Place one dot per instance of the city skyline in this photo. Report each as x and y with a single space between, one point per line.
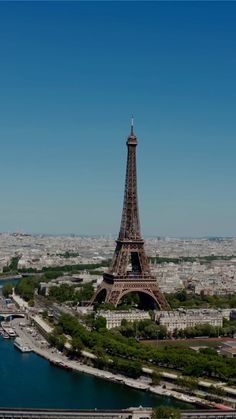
72 76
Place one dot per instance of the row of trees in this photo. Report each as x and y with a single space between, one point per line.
190 384
228 329
112 344
148 329
66 292
165 412
82 338
129 368
190 300
78 267
144 329
26 287
13 265
191 259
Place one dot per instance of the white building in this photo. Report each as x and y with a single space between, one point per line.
114 318
180 319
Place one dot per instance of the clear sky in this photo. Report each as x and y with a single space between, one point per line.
71 76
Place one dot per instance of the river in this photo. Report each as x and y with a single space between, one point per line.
27 380
12 281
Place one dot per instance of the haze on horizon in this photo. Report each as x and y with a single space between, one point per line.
73 73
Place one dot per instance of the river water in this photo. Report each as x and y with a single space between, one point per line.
27 380
12 281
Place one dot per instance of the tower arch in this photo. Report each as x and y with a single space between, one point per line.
147 300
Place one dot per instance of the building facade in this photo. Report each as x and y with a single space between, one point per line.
181 319
114 318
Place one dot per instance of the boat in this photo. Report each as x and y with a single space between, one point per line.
11 333
4 334
9 330
19 344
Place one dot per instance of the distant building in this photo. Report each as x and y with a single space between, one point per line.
114 318
228 349
233 315
41 325
180 319
44 288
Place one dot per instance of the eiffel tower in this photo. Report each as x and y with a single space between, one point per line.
129 270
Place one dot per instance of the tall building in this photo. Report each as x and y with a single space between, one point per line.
129 270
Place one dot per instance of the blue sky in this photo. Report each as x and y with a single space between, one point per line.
73 73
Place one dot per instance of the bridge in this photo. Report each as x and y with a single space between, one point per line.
7 314
140 413
131 413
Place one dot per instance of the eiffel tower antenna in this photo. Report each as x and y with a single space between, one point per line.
132 125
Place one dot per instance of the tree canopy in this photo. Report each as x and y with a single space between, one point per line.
115 346
164 412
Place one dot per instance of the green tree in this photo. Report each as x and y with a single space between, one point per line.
208 351
182 295
7 290
188 383
156 378
218 391
164 412
52 274
100 323
105 306
76 345
86 292
13 265
45 314
128 329
61 293
26 287
130 300
129 356
57 340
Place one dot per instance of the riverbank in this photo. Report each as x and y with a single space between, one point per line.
30 381
60 360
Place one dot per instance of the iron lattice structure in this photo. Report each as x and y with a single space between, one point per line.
130 271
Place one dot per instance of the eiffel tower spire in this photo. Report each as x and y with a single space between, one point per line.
130 271
132 126
130 225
